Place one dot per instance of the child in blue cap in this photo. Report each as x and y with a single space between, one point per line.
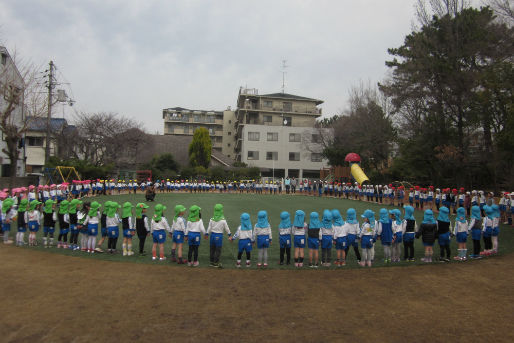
353 230
245 235
460 231
385 232
299 230
314 235
398 230
339 237
475 227
443 234
367 236
284 230
262 234
327 235
428 234
410 233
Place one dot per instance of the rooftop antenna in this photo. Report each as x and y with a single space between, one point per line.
284 66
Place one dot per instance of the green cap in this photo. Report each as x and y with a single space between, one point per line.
63 207
33 204
127 210
7 204
93 211
107 205
72 208
179 209
157 213
194 213
23 205
110 208
49 206
218 213
139 209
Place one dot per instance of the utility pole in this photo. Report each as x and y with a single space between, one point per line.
49 114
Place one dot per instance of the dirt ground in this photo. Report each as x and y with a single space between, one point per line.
55 298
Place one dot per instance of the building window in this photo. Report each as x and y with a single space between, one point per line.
186 130
316 138
287 121
196 118
295 137
34 141
210 119
254 136
230 121
294 156
268 119
271 155
229 133
287 106
4 59
212 131
316 157
267 103
253 155
228 144
272 136
170 128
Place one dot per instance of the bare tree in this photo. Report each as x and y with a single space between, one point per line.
503 9
426 9
21 100
108 138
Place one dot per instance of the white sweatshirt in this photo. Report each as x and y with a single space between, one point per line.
92 220
326 232
243 234
110 222
352 229
195 227
460 227
218 227
300 231
261 231
284 231
160 226
33 216
398 227
339 231
178 225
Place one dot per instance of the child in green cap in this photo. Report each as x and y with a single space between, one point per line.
217 226
91 222
159 226
49 219
128 229
177 233
64 228
33 219
103 226
142 227
74 229
81 218
22 225
194 228
111 222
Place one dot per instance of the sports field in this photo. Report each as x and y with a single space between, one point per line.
51 297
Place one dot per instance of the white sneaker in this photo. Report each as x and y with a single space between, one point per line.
154 258
124 253
130 253
160 258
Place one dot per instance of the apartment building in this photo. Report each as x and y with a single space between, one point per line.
276 132
180 121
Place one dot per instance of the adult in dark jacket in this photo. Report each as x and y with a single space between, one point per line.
428 233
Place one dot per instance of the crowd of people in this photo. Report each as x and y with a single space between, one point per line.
80 222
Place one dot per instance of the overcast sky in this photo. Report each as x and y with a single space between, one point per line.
138 57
